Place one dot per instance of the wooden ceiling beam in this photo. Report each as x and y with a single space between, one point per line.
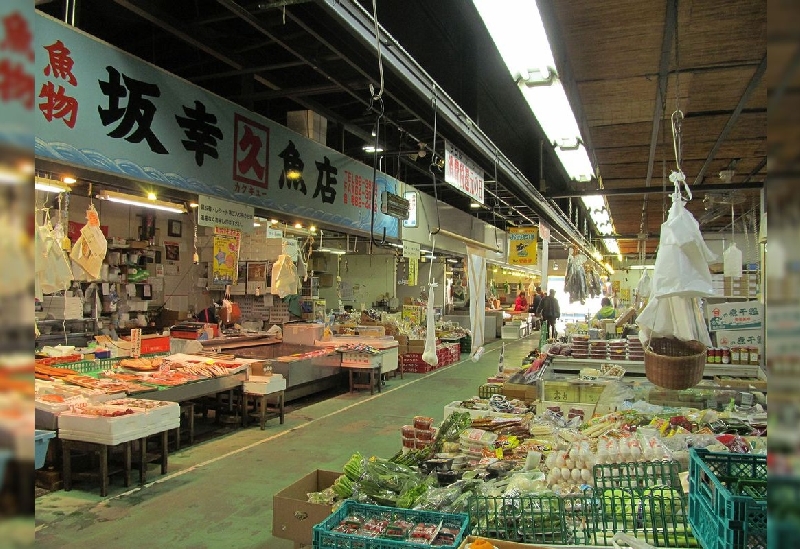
670 24
751 86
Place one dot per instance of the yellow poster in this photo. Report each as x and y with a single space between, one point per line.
413 265
522 246
615 285
226 256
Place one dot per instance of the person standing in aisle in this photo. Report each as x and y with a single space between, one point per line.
537 299
550 311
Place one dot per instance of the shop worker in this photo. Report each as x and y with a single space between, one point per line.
550 311
521 304
606 312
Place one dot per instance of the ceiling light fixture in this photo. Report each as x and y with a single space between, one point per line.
518 31
312 228
132 200
371 149
273 221
194 205
69 180
50 185
474 205
298 225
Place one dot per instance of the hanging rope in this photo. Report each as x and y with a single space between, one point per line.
432 167
377 96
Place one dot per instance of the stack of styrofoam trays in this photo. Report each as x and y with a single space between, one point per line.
617 349
146 420
635 349
580 346
598 348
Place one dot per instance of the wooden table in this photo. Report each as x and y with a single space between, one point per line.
68 446
260 402
102 450
374 371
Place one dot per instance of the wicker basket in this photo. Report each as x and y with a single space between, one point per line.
674 364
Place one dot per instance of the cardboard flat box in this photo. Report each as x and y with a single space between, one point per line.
741 383
527 393
293 518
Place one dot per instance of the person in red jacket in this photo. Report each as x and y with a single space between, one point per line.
521 304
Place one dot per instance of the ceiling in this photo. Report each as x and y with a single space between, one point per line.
627 66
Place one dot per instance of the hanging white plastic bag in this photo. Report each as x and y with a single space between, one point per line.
732 261
676 316
53 273
284 277
681 267
645 286
429 356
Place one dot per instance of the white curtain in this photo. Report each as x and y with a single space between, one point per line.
477 295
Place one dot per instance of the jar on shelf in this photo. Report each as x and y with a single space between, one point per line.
736 354
726 355
754 356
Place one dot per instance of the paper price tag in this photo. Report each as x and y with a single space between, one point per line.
136 343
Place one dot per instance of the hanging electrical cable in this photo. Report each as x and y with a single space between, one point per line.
379 95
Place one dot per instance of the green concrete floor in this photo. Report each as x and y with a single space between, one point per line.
218 493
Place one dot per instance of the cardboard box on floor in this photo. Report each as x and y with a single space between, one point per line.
500 544
293 518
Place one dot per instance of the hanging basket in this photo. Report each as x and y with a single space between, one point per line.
674 364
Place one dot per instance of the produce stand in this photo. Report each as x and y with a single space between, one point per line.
573 365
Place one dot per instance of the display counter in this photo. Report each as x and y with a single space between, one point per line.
240 341
563 364
304 376
491 328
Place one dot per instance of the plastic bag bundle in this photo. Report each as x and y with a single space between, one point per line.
53 272
683 257
681 277
732 261
90 248
284 277
429 355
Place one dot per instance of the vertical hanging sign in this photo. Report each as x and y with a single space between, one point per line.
136 342
522 246
462 173
413 265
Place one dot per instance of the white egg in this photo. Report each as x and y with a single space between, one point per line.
573 453
569 464
576 475
565 474
602 455
550 461
586 475
635 453
560 460
553 477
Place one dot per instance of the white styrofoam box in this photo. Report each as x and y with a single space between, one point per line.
63 308
139 422
510 331
265 385
302 333
456 407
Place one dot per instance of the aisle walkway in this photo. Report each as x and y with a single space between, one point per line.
219 493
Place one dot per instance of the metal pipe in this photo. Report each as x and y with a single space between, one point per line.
469 241
69 11
658 190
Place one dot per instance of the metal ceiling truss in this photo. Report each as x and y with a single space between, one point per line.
361 24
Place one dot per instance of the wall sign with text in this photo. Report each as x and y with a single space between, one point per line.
103 109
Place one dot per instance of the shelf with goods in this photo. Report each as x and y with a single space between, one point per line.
633 459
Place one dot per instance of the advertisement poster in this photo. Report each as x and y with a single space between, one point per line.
226 256
522 246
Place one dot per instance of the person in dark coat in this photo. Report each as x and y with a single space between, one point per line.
550 311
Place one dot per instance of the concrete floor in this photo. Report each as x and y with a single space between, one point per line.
218 493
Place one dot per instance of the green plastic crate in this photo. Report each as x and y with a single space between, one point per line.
643 499
728 499
532 519
326 538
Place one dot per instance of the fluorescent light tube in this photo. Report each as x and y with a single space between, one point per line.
50 185
132 200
